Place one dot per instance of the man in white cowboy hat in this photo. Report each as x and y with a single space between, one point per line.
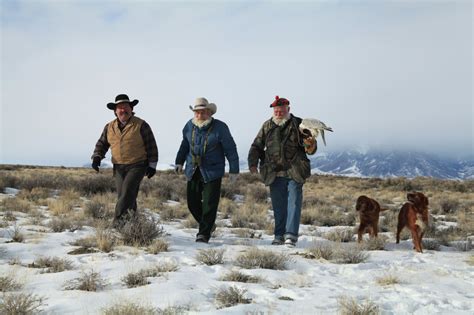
206 143
134 153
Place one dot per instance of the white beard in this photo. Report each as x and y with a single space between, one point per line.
201 123
281 121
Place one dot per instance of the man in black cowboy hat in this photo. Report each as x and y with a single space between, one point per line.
134 153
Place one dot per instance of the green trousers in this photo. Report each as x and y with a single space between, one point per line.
203 200
127 180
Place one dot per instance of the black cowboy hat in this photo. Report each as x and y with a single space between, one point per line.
121 98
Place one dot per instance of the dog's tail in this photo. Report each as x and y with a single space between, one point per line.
384 209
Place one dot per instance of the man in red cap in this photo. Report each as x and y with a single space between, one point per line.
281 149
134 153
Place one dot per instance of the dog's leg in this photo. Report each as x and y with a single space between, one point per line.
415 233
360 232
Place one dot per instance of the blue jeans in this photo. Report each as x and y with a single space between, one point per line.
287 197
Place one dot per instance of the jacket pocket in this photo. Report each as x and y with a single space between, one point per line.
300 169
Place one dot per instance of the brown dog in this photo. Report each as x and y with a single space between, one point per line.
414 215
369 210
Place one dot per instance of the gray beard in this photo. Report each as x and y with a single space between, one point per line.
280 121
201 123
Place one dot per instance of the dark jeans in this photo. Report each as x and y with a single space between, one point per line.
127 179
203 200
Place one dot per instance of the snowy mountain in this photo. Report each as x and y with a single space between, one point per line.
391 164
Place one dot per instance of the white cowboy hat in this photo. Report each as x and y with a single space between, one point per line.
202 103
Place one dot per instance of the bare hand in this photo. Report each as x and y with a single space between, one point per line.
253 170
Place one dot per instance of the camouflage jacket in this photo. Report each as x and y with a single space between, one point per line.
280 149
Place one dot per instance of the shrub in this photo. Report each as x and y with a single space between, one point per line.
375 243
21 303
9 283
210 256
257 258
158 246
227 297
350 255
250 215
140 230
318 251
168 212
15 204
97 210
60 206
135 279
63 223
340 235
430 244
256 193
52 264
388 280
350 306
105 239
16 234
88 281
238 276
449 205
129 308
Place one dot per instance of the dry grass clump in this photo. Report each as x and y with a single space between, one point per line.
36 217
350 306
430 244
319 251
258 258
158 246
88 281
16 234
98 209
21 303
350 255
105 239
250 215
238 276
470 260
60 206
190 222
63 223
89 241
52 264
340 235
388 279
9 283
140 230
135 279
247 233
227 297
165 186
327 216
256 193
227 207
130 308
173 212
15 204
211 256
375 243
37 194
140 278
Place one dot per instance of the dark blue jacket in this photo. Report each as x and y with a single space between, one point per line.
220 144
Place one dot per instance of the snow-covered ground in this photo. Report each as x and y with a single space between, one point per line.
434 282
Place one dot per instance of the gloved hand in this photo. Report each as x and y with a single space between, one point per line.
96 163
178 169
233 178
150 172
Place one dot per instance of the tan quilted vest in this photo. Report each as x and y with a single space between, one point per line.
127 145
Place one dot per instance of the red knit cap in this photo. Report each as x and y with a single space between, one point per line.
279 101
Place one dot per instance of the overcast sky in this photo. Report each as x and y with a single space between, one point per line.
382 74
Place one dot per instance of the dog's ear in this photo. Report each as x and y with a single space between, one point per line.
426 200
360 201
412 196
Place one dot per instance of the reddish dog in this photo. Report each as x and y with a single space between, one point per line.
369 210
414 215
